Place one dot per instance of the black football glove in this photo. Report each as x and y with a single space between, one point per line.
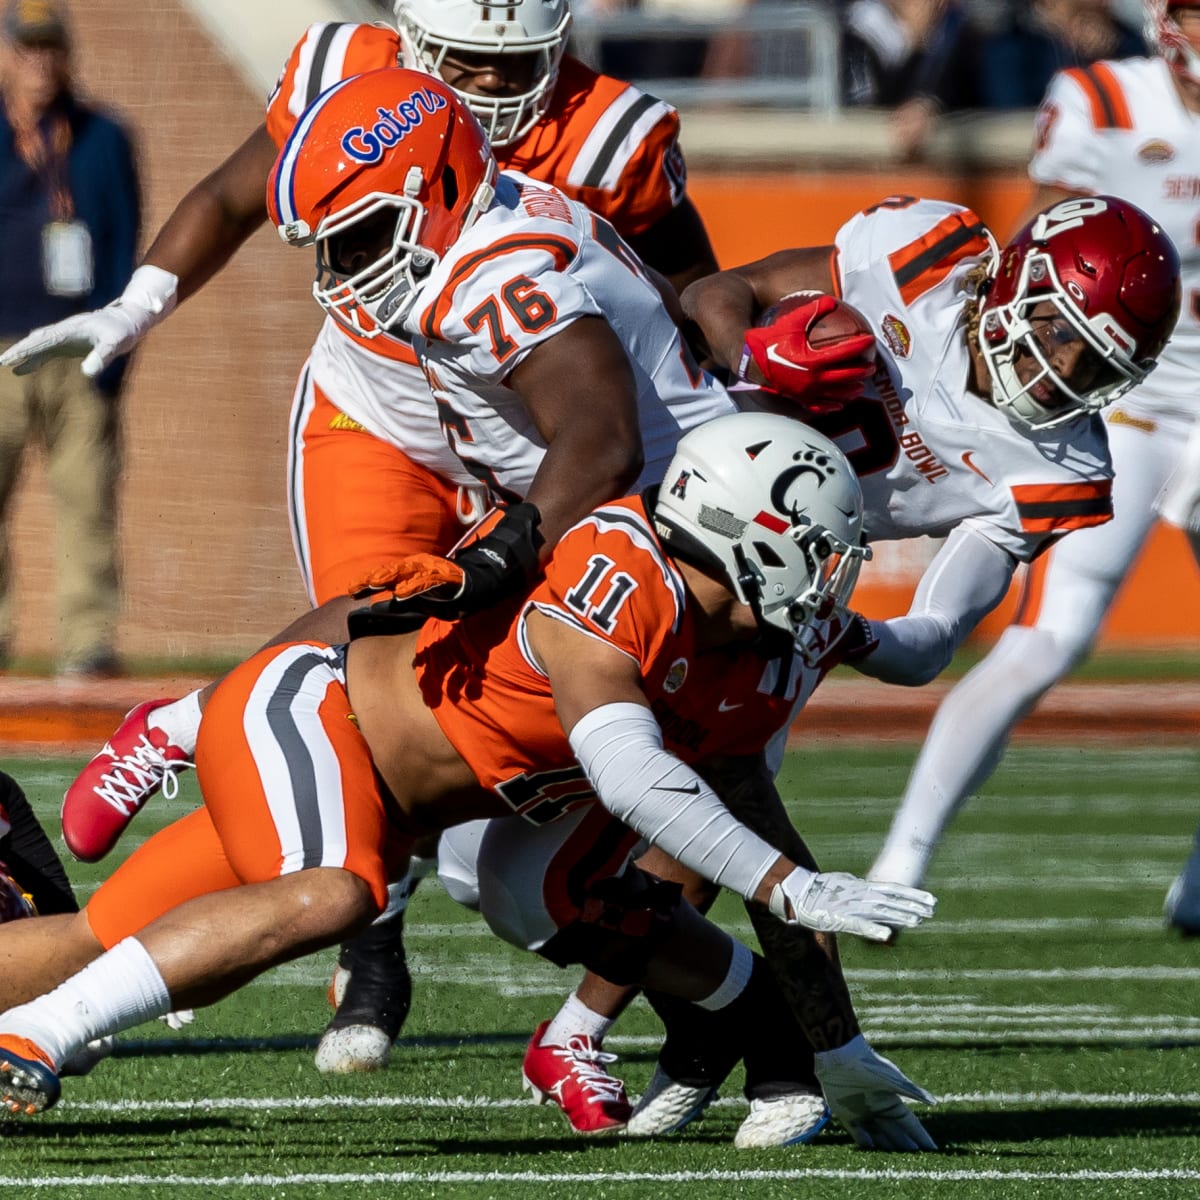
500 564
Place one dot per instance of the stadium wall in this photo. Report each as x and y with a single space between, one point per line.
208 565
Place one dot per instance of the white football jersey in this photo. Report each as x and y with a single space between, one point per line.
929 453
379 383
1120 128
532 264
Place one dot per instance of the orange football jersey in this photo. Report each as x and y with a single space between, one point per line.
610 578
601 141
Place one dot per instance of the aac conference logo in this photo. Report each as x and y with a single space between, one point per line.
368 145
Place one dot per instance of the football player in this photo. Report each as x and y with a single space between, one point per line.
371 478
1029 341
979 422
1131 128
661 641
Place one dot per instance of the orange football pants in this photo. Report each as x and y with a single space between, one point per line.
357 502
288 784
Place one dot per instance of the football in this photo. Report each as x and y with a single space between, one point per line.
843 322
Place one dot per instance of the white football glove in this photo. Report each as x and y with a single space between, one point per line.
101 336
837 902
863 1091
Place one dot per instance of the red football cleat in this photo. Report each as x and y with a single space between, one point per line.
576 1078
108 793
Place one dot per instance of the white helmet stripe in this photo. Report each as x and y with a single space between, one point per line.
285 177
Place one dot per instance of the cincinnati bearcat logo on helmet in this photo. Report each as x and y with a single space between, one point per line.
812 462
368 145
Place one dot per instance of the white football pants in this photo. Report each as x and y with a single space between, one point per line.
972 726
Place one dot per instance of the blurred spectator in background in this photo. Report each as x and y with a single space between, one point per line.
916 57
664 57
69 208
1041 37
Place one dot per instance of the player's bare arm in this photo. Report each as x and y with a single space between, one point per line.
587 674
580 390
723 306
677 246
198 239
212 221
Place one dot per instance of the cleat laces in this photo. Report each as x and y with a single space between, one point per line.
136 775
588 1066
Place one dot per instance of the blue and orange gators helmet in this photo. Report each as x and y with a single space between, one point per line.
382 173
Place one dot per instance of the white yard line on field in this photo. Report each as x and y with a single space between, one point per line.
292 1103
600 1178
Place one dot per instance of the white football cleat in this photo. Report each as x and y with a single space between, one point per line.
352 1048
667 1106
782 1121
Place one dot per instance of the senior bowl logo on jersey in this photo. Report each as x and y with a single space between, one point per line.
1156 151
367 145
896 334
676 675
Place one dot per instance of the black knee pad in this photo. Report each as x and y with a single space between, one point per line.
623 920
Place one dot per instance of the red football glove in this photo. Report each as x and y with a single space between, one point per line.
821 378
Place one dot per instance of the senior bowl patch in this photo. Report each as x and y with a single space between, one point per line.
1156 151
676 675
896 334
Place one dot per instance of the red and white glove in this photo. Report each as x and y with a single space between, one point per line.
779 358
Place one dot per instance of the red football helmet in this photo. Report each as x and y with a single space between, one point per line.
1163 32
1082 302
383 172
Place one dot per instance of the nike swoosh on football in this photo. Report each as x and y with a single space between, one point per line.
966 457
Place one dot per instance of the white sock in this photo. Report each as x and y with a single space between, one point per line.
741 963
399 894
180 721
122 988
573 1019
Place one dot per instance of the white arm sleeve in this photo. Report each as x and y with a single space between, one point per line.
968 577
620 748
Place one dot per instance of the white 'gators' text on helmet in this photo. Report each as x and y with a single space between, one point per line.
775 507
432 29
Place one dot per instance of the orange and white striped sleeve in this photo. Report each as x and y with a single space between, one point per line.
328 52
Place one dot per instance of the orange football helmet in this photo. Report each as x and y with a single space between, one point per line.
382 173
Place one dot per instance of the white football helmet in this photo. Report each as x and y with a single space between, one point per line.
1163 33
774 506
431 29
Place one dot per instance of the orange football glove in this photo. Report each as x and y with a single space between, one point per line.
413 576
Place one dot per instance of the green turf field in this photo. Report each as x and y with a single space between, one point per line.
1045 1006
